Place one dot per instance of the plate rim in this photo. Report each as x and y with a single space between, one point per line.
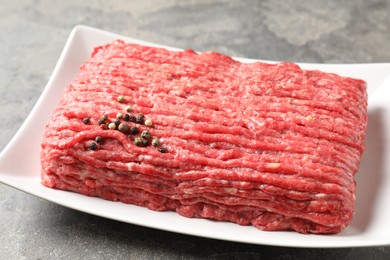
82 30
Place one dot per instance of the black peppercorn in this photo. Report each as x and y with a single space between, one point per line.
146 134
93 146
117 122
162 150
134 130
126 117
99 139
140 119
132 118
144 142
86 120
101 121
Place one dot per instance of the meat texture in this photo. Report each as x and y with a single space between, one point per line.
268 145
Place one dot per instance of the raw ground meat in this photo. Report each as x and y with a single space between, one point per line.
268 145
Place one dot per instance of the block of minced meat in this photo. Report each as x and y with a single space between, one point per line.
268 145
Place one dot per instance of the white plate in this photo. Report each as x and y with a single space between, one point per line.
20 165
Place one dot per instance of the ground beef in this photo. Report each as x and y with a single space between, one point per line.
268 145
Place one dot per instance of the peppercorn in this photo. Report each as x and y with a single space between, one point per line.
132 118
119 115
121 99
148 122
126 117
123 127
138 141
93 146
128 108
99 139
146 134
140 119
112 126
117 122
155 142
86 120
144 142
101 121
134 130
162 150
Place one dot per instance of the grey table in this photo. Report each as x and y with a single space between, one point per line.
32 35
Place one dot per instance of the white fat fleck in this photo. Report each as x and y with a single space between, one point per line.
273 165
231 190
242 183
254 123
110 174
130 166
321 195
305 157
144 157
187 191
336 96
309 118
84 174
208 181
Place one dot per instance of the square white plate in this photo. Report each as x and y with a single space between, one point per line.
371 224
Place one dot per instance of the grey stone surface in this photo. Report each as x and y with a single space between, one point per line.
32 35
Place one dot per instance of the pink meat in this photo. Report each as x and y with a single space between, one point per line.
268 145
